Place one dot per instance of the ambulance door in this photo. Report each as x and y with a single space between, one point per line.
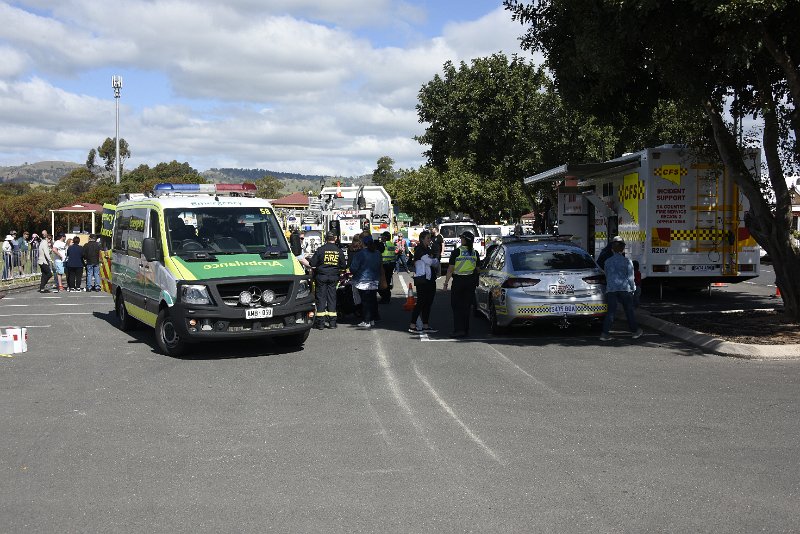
149 270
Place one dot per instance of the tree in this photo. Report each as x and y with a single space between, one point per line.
384 173
504 119
91 159
77 182
620 58
268 187
108 151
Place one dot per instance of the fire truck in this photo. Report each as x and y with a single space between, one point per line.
349 210
681 218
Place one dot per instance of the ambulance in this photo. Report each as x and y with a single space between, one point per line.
201 262
682 218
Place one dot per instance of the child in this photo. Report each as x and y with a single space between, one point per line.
637 278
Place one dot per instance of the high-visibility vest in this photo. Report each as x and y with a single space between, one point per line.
388 255
466 263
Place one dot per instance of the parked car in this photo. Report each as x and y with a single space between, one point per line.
529 279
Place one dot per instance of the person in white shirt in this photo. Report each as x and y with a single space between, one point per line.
60 254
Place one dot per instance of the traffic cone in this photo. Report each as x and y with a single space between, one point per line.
411 299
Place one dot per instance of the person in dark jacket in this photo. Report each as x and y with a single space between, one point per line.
74 265
328 261
91 256
463 270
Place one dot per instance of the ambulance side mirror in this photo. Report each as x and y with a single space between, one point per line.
149 249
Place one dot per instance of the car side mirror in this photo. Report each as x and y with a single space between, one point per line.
150 249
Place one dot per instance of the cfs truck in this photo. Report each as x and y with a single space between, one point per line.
202 262
349 210
681 218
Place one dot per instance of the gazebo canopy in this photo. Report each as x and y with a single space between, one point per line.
85 207
295 200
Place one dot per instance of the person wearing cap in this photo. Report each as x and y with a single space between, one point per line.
328 262
620 287
463 270
388 259
8 260
59 256
607 252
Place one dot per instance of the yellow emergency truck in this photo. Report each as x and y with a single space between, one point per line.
202 262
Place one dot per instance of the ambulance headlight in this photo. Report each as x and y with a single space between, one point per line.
303 289
245 298
195 294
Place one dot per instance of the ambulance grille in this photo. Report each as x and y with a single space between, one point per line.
230 292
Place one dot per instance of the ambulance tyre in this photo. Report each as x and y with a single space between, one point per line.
167 336
294 340
126 323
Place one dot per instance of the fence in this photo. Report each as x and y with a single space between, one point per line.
17 264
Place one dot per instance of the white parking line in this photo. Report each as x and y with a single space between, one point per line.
49 304
455 417
49 314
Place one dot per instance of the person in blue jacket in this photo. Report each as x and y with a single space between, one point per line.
366 270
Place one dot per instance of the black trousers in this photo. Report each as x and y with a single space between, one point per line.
386 294
325 297
47 274
426 291
461 299
74 275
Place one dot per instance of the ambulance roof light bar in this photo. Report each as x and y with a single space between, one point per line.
232 190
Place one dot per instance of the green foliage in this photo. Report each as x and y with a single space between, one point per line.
268 187
108 153
91 159
77 182
384 173
427 193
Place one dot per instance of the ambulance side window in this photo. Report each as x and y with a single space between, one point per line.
154 231
129 231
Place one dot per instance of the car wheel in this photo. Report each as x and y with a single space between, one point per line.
167 336
294 340
125 322
493 326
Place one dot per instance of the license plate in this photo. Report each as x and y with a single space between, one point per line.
563 308
257 313
562 290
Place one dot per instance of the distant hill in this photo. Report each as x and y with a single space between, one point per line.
43 172
50 172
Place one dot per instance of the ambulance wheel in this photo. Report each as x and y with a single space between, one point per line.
493 326
167 336
294 340
125 322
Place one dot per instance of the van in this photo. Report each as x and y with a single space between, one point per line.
201 262
450 232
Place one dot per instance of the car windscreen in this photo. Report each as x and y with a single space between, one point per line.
224 230
537 259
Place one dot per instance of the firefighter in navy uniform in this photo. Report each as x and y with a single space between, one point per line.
328 261
388 260
463 270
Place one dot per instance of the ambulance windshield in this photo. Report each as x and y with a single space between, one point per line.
224 230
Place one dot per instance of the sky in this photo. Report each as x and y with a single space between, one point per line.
303 86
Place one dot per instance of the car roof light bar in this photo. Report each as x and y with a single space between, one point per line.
232 190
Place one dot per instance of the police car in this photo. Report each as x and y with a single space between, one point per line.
201 262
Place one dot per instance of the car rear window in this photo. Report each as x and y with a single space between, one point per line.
551 260
458 229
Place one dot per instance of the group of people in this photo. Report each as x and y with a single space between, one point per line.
17 254
57 259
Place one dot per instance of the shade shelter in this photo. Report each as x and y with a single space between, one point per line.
77 219
297 201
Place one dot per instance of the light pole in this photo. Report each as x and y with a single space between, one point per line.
116 83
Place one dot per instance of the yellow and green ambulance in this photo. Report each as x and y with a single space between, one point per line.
202 262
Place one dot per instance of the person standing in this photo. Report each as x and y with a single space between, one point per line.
463 270
425 263
23 244
620 287
59 256
8 260
328 261
388 259
366 269
74 265
91 256
44 261
437 247
401 250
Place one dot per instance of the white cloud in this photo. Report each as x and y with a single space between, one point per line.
282 84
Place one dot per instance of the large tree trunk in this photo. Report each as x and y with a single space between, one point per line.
771 231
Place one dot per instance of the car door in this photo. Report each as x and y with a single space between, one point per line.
485 278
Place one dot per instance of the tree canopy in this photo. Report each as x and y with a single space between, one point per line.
108 153
384 173
618 59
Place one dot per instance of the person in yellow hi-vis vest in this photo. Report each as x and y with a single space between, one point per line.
463 270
